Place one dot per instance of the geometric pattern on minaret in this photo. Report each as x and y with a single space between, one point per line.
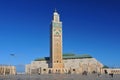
56 42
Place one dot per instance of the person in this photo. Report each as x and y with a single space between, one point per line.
111 74
106 72
99 74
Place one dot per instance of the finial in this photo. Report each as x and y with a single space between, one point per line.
55 10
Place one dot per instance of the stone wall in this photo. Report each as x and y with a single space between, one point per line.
90 65
111 70
80 65
35 66
7 70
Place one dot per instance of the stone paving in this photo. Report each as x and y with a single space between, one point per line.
60 77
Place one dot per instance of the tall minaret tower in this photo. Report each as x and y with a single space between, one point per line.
56 43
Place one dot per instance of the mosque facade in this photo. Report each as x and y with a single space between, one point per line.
59 62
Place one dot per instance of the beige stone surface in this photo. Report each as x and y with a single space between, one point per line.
111 70
7 70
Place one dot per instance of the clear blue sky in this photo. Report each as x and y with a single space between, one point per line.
89 26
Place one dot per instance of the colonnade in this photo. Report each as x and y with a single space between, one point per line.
7 70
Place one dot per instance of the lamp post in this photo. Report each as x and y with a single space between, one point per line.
12 70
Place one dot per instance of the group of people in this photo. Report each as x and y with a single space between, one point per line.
98 74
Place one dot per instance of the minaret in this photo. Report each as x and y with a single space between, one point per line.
56 43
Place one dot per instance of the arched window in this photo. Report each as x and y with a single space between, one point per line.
73 69
44 69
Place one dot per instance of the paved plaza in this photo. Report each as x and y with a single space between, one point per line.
60 77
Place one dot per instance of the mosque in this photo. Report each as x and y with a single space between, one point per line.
59 62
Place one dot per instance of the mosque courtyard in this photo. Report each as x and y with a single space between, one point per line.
61 77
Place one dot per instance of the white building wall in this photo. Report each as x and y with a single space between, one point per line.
38 64
7 70
112 70
89 64
28 69
76 63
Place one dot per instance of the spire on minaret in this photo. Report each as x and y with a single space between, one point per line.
56 16
55 10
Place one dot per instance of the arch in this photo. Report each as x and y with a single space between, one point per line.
94 72
50 71
93 68
84 67
74 70
58 71
84 73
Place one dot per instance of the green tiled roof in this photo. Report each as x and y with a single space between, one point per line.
77 56
68 56
42 59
